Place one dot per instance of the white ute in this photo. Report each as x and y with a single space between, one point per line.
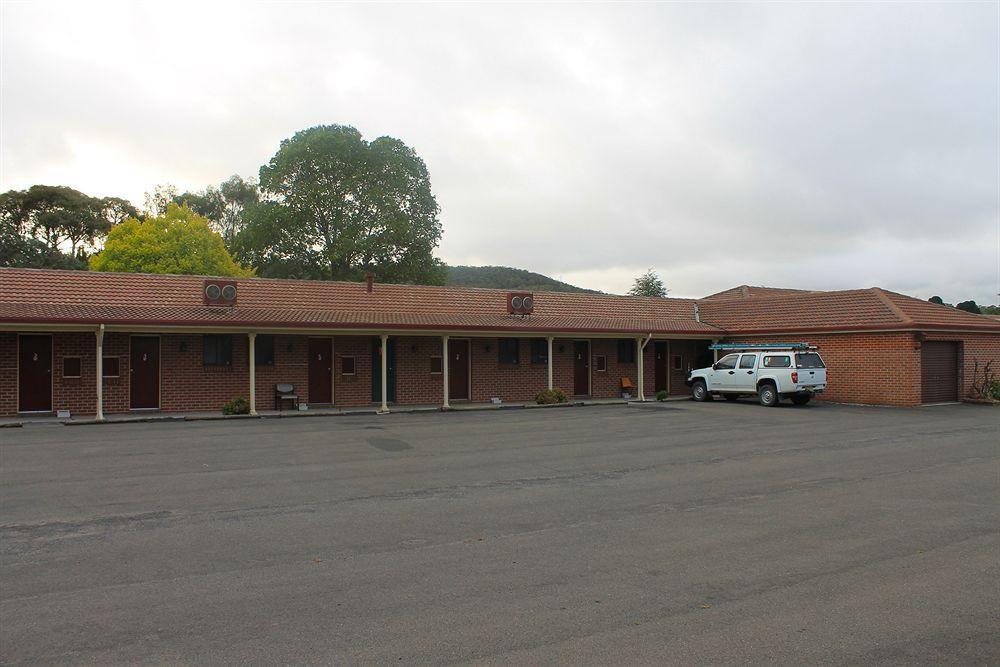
772 372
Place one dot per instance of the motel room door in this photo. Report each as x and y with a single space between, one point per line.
144 373
581 367
34 374
660 369
320 371
458 370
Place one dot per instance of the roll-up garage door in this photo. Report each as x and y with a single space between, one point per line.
939 371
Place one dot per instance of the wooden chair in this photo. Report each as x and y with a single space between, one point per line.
627 386
285 392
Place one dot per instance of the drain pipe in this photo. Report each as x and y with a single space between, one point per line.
641 362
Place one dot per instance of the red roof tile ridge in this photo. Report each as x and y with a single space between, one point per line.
896 310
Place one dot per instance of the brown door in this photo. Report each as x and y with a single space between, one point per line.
581 367
939 371
458 370
660 368
320 370
144 373
34 374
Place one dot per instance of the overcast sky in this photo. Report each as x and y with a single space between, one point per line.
812 145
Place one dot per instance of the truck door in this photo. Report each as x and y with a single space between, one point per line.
746 374
723 372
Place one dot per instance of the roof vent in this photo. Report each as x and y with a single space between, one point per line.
520 303
220 292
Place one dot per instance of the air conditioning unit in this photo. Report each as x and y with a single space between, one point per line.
219 292
520 303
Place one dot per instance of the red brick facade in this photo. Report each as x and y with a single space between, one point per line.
187 385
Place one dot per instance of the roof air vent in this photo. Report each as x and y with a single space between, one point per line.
220 293
520 303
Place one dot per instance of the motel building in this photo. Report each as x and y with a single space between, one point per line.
97 344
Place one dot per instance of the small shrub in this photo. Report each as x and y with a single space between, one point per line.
237 406
551 396
661 395
993 391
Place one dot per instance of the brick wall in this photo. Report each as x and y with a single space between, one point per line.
866 368
973 348
8 374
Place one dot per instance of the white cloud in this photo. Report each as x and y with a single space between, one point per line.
822 145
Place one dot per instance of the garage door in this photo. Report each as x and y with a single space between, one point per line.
939 371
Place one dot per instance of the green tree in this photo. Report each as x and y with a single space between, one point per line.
969 307
49 226
336 206
936 299
224 206
158 200
179 241
648 284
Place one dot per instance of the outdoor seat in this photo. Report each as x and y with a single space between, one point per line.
627 386
285 392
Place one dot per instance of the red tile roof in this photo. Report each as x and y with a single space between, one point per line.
846 310
33 295
82 297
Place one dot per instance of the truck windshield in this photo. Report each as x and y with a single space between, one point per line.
808 360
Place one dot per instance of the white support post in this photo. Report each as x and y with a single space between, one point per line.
641 393
715 353
549 359
444 371
385 374
100 374
253 373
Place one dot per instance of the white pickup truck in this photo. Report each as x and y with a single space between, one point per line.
770 372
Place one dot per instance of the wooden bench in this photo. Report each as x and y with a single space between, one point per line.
285 392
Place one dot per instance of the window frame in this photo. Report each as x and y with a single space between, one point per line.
104 370
344 358
600 363
736 359
677 362
626 355
504 358
767 358
223 353
79 369
753 362
539 358
257 349
440 365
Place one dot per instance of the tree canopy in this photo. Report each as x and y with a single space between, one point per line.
335 206
969 307
224 205
179 241
648 284
50 226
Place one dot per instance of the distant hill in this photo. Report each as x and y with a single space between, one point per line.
505 277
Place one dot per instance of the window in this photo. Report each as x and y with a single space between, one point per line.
71 367
110 367
782 361
347 366
217 350
539 351
263 350
508 348
600 363
808 360
727 362
626 351
435 365
748 360
678 362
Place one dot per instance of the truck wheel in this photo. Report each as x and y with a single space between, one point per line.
699 392
800 400
731 397
768 395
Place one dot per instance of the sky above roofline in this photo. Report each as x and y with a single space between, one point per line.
815 146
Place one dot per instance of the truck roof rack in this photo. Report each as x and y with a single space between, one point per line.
761 346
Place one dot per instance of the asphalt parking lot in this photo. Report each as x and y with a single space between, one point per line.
678 534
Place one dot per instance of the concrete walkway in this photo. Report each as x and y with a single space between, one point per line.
150 416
